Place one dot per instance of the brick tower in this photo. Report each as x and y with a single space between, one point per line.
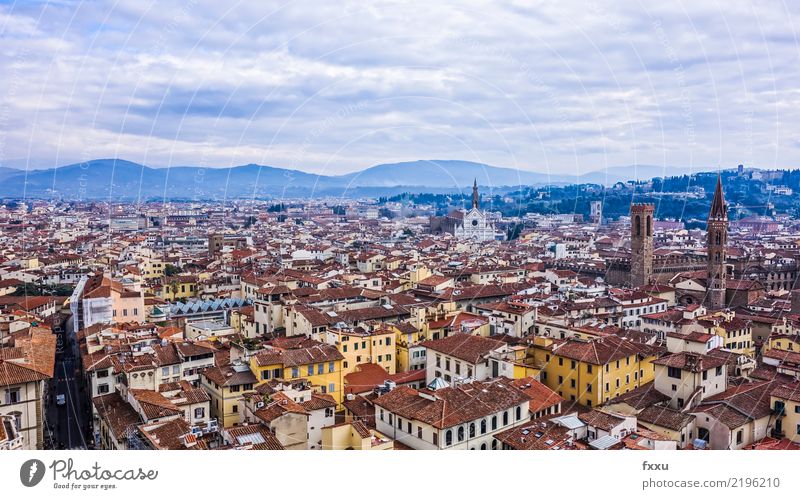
641 243
717 238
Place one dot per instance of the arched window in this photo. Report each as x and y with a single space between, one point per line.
638 225
505 418
460 433
649 227
494 444
483 426
719 238
448 437
472 430
483 446
494 422
519 413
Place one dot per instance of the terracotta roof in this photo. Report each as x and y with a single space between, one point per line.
299 356
787 391
453 406
603 350
117 414
541 396
239 436
280 405
693 362
665 417
641 397
32 358
740 404
319 401
154 405
539 434
172 435
601 420
466 347
228 376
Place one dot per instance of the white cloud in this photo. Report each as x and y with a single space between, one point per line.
341 86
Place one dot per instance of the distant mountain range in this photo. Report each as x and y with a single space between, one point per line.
124 180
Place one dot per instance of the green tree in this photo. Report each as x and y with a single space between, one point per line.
171 270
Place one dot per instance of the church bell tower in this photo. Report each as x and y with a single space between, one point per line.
717 239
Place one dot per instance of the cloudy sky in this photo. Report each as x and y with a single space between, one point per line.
337 86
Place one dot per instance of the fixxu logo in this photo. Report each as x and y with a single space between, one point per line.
31 472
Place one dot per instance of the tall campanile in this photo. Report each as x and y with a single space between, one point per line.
641 243
717 238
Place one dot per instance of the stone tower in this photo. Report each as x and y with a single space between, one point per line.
641 243
716 240
596 212
476 199
215 243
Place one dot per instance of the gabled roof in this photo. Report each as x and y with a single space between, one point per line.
693 362
299 356
448 407
32 358
466 347
665 417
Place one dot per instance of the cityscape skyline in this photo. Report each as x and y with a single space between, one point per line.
395 226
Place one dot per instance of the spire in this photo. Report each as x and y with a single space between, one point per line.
718 207
475 197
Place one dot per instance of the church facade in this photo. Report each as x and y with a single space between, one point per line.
474 224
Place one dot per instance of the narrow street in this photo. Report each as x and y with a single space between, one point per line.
68 423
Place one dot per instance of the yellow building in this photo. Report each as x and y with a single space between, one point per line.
592 372
446 319
153 269
243 321
354 435
357 346
789 343
785 403
421 315
410 355
320 364
178 287
736 333
226 387
524 365
417 273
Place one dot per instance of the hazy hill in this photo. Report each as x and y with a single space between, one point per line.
124 180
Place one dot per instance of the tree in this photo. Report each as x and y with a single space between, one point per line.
171 270
513 231
27 289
